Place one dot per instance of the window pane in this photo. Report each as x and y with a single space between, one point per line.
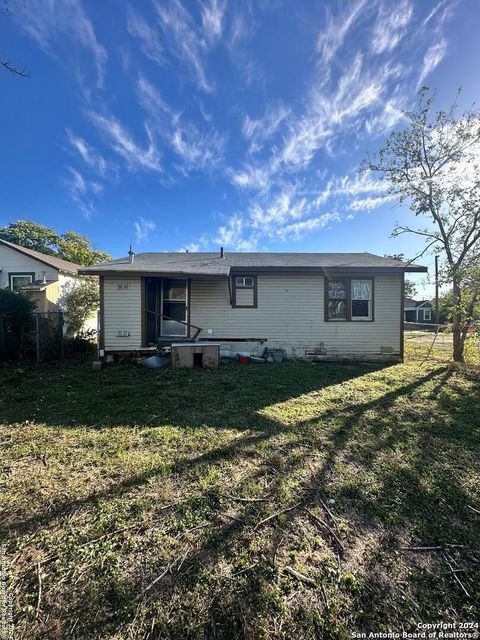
244 281
337 291
360 308
20 281
175 310
361 289
174 289
337 309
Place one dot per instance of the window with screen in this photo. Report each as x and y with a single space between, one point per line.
361 299
245 291
349 299
337 300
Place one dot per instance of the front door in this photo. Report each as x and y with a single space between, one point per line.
166 308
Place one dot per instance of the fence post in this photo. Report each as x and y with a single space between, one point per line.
37 326
61 335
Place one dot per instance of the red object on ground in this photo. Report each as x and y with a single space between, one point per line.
244 359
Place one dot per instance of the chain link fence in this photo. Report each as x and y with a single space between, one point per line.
48 336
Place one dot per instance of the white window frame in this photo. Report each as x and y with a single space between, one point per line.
241 282
369 317
12 276
425 311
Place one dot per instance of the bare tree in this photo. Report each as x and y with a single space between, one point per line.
433 165
6 64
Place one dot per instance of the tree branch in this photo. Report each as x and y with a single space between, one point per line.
13 70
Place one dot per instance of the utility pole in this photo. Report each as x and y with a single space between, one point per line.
437 306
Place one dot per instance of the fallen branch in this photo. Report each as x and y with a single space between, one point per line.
328 511
239 499
454 574
39 597
422 549
473 509
274 515
299 576
325 525
239 573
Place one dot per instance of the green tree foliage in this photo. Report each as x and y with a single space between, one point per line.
77 248
16 322
32 236
70 245
470 297
410 289
80 304
433 165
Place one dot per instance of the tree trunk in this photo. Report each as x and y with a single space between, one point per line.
458 343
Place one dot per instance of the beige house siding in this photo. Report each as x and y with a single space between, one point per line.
290 315
122 313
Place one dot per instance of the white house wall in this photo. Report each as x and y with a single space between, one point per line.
12 261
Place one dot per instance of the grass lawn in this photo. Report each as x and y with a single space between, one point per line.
424 344
264 501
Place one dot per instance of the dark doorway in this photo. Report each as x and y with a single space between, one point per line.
165 308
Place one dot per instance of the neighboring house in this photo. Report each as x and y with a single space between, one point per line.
420 311
45 279
330 304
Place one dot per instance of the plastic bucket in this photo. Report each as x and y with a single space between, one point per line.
244 359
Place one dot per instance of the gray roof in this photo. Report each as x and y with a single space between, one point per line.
214 265
410 302
50 261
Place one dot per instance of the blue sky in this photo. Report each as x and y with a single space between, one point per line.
178 125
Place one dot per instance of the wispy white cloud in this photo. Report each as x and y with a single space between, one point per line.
122 142
367 204
89 154
332 37
260 130
143 229
195 148
390 26
81 191
233 234
298 230
147 36
63 30
213 18
432 59
183 38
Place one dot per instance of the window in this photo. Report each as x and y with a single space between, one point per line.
337 300
19 280
349 299
427 314
361 299
244 291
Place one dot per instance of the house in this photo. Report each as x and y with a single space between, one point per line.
324 304
420 311
45 279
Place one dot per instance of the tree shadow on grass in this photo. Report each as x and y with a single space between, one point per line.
128 395
404 495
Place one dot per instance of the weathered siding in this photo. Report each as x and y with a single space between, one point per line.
290 315
122 313
12 261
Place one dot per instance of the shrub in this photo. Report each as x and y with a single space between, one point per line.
80 303
16 323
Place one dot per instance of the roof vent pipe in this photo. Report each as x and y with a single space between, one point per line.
221 252
44 277
131 255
